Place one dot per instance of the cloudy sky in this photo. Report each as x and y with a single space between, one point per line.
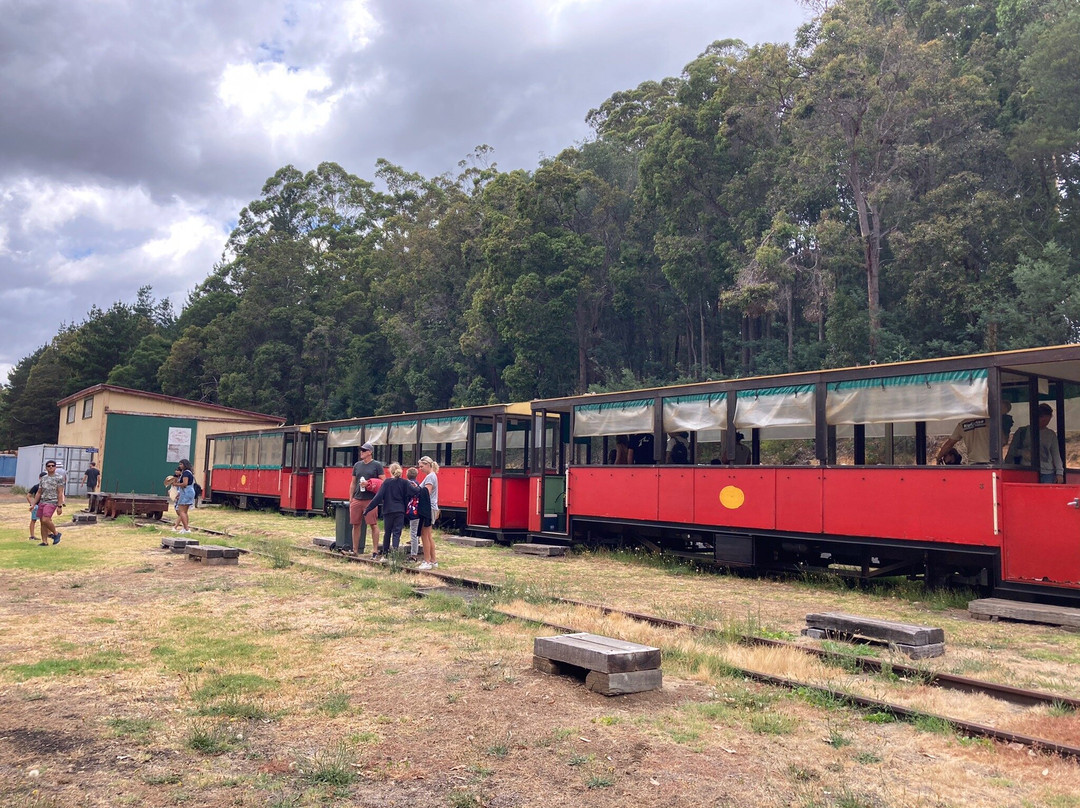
133 132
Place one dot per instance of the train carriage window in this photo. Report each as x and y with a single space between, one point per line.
598 426
483 445
445 439
289 453
783 419
517 437
319 459
1072 420
270 450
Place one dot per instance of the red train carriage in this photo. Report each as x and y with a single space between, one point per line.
481 452
832 469
279 468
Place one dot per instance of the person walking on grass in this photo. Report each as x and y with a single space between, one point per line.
31 498
50 502
185 496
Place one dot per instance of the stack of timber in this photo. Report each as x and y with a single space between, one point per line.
610 667
178 544
1000 609
469 541
213 555
918 642
540 549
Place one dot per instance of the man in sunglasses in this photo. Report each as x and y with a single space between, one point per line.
50 502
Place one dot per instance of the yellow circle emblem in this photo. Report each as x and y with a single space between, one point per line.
732 497
243 479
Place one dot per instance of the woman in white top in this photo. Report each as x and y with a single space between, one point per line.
429 469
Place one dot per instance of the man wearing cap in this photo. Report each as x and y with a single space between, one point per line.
1051 469
360 496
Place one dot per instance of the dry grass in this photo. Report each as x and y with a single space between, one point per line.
129 676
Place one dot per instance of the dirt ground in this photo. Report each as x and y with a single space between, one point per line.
131 676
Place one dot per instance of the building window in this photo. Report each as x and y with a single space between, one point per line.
88 407
71 414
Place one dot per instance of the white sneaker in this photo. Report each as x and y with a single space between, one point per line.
424 565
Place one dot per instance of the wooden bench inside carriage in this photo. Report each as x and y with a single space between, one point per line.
917 642
213 555
610 667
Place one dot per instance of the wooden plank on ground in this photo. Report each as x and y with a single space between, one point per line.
617 684
885 630
469 541
540 549
324 541
178 544
212 551
597 653
995 608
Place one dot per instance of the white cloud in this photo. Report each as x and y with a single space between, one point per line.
284 102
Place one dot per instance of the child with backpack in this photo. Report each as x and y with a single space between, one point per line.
412 513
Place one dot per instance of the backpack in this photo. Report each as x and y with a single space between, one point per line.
412 509
198 490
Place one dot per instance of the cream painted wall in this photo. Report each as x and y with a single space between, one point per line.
91 431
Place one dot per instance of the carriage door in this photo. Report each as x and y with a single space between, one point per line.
1041 521
549 474
509 500
481 456
318 463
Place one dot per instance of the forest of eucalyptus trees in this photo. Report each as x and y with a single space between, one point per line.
901 181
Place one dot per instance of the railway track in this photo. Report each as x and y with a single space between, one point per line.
1013 695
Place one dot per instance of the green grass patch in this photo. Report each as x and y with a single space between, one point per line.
209 738
70 666
233 685
233 707
335 703
773 724
137 728
931 723
68 555
195 649
331 767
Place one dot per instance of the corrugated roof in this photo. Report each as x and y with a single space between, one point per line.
99 388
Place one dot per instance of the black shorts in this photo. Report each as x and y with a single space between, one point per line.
424 522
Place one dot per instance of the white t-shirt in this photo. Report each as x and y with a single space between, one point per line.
975 433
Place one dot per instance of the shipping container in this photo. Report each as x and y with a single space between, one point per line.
71 461
7 468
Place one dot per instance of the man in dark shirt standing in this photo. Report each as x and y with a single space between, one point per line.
360 496
90 477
